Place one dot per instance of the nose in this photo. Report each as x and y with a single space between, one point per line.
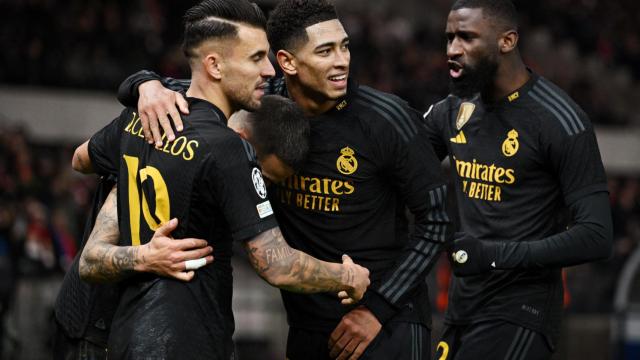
267 69
454 49
343 58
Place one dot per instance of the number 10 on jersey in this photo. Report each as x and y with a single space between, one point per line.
137 197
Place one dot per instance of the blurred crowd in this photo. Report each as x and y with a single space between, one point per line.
43 207
589 47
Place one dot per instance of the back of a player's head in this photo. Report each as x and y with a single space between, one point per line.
501 12
286 28
279 127
218 19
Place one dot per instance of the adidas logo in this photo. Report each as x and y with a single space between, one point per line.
459 139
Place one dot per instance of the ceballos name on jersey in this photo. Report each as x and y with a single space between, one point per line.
312 193
479 180
181 146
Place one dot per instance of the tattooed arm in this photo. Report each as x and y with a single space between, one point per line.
289 269
102 260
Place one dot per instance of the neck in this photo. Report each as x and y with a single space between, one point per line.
511 76
203 88
311 102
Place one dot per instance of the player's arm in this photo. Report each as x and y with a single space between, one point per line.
433 121
81 161
99 154
157 100
417 178
102 260
589 239
290 269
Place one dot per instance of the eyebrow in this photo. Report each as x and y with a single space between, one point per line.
331 43
259 52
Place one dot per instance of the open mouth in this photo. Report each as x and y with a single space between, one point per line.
455 69
339 80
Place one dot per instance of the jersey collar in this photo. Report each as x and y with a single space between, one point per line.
345 102
204 105
278 86
513 96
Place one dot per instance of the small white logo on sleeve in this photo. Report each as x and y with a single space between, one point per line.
264 209
460 256
258 183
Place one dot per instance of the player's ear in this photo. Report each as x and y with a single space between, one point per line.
242 131
213 65
508 41
239 121
287 62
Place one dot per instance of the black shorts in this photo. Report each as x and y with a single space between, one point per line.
396 340
492 340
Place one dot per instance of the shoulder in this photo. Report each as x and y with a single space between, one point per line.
228 149
555 110
208 123
438 111
127 115
387 111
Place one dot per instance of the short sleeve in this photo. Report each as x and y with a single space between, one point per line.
104 146
236 183
576 161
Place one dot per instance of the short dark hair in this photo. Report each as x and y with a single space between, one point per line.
502 10
288 21
279 127
206 20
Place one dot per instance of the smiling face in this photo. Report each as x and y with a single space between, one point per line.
472 51
322 63
246 68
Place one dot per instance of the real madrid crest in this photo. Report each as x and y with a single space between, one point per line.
464 114
511 145
347 163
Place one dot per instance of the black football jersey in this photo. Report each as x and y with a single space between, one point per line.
368 158
517 164
207 178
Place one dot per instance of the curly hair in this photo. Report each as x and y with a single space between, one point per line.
288 21
502 12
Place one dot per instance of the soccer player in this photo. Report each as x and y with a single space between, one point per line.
368 159
209 179
83 311
280 135
521 151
